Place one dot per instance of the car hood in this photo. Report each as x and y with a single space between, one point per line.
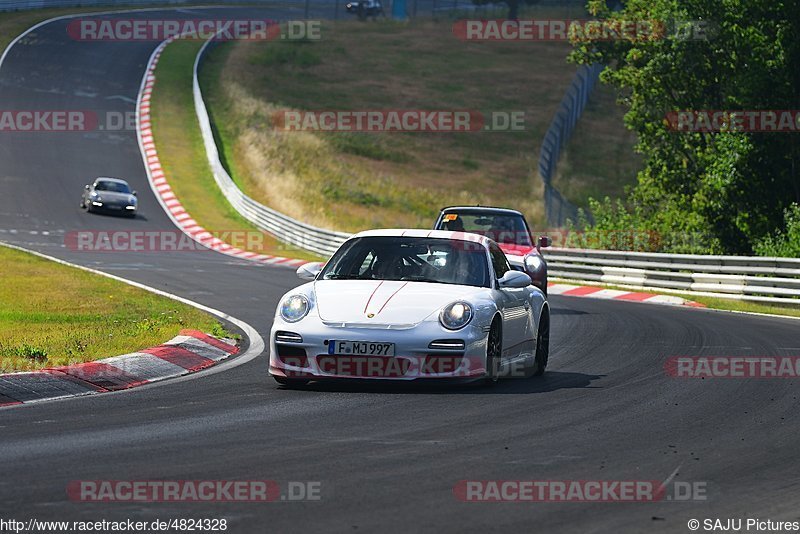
389 302
112 196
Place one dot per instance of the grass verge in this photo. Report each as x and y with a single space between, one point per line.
182 154
351 181
714 303
53 314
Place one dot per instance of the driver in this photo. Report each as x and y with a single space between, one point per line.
387 266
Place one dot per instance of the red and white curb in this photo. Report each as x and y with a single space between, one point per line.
595 292
162 189
187 353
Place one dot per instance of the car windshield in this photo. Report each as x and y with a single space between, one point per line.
504 228
114 187
413 259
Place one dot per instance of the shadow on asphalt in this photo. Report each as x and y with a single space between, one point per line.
551 381
567 311
137 217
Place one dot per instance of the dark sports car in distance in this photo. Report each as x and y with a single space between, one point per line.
110 195
365 8
506 227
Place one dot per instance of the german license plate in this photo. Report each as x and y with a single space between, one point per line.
360 348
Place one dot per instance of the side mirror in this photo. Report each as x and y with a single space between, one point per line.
309 271
86 187
515 279
543 242
134 193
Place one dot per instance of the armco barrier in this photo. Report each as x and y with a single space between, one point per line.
772 280
319 240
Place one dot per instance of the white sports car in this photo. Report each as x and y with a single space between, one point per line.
410 305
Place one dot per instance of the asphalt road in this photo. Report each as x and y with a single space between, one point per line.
387 458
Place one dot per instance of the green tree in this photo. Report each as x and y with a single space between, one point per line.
727 190
785 243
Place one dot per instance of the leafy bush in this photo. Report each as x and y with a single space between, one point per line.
784 243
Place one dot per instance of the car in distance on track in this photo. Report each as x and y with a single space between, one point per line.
509 229
365 8
407 305
110 195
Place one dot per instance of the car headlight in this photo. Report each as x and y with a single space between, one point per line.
533 263
132 200
456 315
294 308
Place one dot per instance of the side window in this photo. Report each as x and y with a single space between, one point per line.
499 261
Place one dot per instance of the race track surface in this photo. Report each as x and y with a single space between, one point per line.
387 458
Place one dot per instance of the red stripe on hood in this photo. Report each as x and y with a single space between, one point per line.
391 297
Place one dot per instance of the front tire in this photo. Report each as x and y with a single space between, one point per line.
494 351
542 345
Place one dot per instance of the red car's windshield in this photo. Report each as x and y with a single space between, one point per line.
505 229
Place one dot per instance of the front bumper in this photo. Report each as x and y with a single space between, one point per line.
110 207
413 360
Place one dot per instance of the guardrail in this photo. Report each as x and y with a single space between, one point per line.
288 230
774 280
557 208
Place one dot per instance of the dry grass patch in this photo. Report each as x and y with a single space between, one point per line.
352 181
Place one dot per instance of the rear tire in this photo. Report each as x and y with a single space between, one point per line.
542 345
494 351
290 383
